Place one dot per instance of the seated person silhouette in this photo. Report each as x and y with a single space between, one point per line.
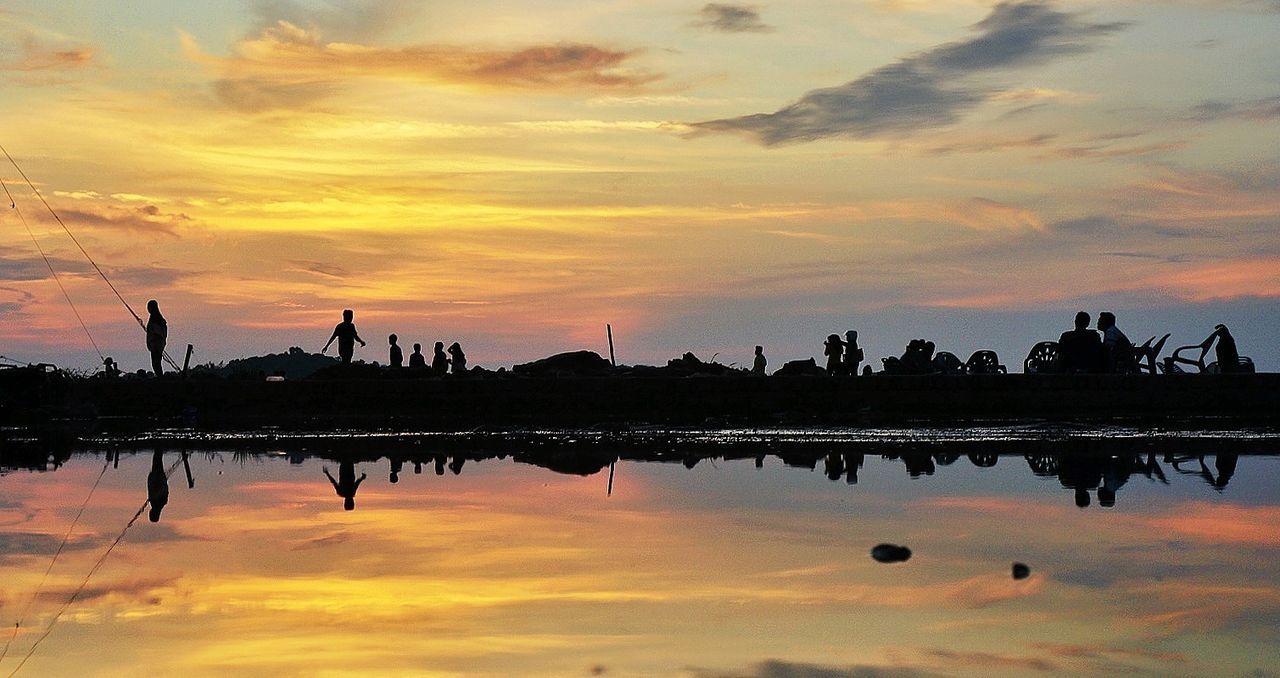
1228 355
110 369
1080 350
457 359
760 363
833 348
416 359
347 336
157 486
346 484
439 361
852 353
1117 349
396 357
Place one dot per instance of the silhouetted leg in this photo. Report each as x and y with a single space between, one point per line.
157 364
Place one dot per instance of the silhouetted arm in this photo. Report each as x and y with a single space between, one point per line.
359 339
330 477
358 481
326 347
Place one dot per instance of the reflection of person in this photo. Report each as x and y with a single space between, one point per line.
346 484
157 486
157 336
347 336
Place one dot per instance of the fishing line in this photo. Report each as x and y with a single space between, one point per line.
14 205
65 538
80 589
32 186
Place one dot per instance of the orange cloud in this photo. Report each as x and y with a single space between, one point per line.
1224 524
38 57
286 64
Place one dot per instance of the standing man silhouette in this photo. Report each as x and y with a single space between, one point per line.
397 356
347 336
157 336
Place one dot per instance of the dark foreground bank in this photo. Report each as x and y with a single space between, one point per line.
566 402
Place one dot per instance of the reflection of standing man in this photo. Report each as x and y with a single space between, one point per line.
346 484
157 486
347 336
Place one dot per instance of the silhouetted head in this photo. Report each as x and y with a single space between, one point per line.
759 350
348 314
1082 320
454 347
154 515
1082 497
439 346
153 307
851 337
395 477
1106 319
833 339
1106 497
1221 330
349 503
392 340
417 348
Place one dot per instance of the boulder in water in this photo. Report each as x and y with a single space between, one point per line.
890 553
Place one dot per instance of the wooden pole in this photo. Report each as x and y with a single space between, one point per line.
611 464
612 360
187 363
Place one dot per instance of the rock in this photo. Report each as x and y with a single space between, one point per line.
1021 571
801 368
890 553
574 363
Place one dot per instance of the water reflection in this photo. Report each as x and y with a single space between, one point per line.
346 484
709 559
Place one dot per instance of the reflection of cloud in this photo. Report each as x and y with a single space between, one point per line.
1226 524
1255 109
928 89
971 660
289 66
731 18
18 544
784 669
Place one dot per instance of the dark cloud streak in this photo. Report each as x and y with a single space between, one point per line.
731 18
927 90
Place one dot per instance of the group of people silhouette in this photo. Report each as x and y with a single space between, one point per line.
843 355
453 361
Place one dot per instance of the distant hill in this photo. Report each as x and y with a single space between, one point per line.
294 364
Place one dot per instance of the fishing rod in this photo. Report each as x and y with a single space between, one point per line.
74 239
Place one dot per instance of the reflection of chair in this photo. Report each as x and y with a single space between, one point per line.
1146 354
945 459
946 362
1043 358
1043 464
983 460
984 362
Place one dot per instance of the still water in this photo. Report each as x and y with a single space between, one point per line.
737 567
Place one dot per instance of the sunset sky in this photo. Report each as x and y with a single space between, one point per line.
514 175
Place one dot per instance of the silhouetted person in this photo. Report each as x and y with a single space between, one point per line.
439 361
157 336
1118 350
833 348
396 466
347 336
760 362
157 486
1080 350
457 359
1228 356
396 359
853 462
416 359
346 484
852 353
109 368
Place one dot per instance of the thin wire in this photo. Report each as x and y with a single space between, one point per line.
65 538
72 235
80 589
14 205
32 186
